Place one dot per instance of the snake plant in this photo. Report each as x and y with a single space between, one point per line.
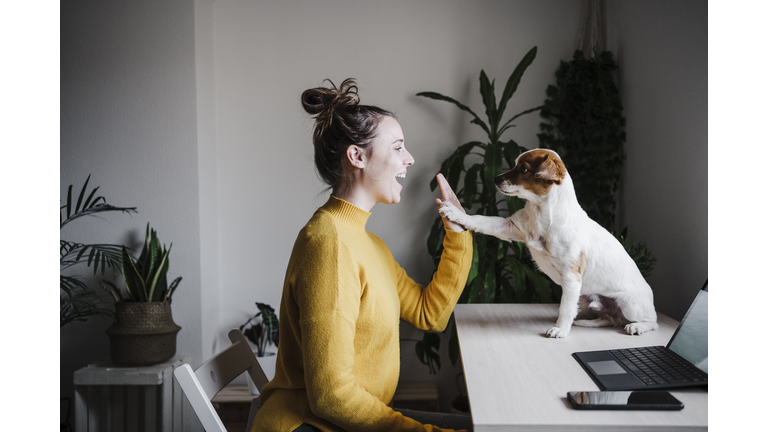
145 277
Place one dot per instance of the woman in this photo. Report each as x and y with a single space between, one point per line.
338 360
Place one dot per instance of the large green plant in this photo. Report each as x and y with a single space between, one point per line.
501 271
584 123
263 333
77 300
146 277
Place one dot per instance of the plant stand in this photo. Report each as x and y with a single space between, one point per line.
128 399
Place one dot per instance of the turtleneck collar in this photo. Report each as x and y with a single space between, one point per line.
346 212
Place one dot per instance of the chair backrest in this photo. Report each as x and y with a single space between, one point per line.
202 384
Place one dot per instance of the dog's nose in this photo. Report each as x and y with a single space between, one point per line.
499 179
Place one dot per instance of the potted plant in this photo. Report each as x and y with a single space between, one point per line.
262 333
77 300
584 123
144 332
501 272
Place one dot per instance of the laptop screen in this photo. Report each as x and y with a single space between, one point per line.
690 340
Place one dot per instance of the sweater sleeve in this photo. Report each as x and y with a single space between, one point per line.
430 308
329 300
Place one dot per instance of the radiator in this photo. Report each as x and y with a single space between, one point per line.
124 399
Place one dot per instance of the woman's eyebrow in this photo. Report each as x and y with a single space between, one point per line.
398 141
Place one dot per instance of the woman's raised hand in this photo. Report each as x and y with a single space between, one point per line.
447 195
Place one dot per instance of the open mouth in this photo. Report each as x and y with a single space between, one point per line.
400 175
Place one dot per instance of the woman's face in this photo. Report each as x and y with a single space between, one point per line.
388 160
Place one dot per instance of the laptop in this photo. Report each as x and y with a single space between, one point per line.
682 363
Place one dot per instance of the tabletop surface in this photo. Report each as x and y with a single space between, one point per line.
517 378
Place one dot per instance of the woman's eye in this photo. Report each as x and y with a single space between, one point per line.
399 148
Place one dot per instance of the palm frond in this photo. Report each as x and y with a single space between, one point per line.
89 207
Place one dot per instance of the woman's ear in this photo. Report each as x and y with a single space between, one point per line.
356 156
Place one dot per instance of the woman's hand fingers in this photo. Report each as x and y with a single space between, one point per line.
447 195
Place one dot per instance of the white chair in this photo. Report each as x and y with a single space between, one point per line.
202 384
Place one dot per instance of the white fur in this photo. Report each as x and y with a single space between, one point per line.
557 232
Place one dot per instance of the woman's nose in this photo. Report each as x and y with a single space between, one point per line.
408 160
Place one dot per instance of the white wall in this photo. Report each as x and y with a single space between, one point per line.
190 111
128 117
662 52
268 53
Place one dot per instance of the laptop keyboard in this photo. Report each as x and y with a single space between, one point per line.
658 365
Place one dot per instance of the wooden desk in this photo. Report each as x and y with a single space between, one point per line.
517 378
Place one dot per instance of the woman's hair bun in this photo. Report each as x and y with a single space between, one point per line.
340 121
323 101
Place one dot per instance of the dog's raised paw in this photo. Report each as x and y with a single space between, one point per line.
556 332
449 211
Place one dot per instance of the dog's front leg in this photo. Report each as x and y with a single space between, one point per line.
568 307
496 226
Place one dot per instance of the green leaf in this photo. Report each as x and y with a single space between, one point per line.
511 151
434 236
454 172
82 193
492 168
270 322
507 292
427 351
475 290
438 96
152 283
153 263
540 284
470 185
474 269
88 204
69 202
518 277
162 282
489 100
134 284
514 204
514 80
145 249
490 284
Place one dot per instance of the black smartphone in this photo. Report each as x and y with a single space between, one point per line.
624 400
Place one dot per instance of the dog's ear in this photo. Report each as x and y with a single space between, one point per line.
356 156
551 168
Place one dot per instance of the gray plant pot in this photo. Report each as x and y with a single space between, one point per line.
143 333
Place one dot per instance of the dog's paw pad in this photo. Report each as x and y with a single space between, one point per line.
448 210
634 328
556 332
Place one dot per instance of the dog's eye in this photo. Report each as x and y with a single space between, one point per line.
525 170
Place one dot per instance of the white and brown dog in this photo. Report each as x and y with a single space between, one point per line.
596 273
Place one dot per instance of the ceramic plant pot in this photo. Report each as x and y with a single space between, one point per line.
143 333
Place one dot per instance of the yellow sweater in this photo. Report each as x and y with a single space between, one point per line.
338 361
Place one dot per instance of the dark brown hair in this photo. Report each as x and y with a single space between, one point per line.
340 121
